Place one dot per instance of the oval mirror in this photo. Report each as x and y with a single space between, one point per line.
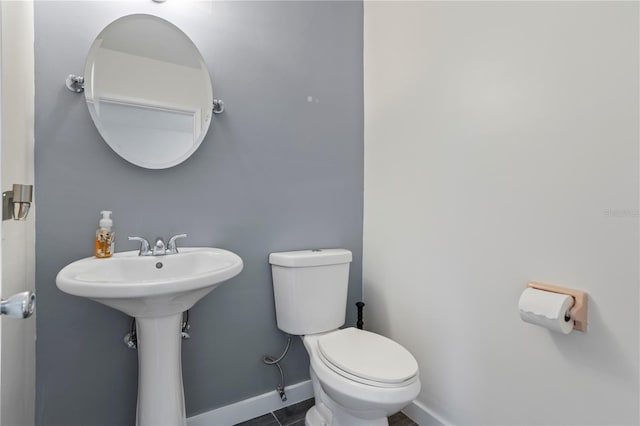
148 91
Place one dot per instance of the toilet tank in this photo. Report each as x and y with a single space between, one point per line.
310 289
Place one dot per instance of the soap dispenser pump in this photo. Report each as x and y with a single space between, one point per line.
105 236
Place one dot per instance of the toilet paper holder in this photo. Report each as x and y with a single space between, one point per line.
578 311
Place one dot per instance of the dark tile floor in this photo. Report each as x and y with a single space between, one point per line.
294 416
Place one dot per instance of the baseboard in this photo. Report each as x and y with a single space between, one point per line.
257 406
422 415
253 407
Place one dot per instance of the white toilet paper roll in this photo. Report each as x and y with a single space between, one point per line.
546 309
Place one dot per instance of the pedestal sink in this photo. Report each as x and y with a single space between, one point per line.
155 290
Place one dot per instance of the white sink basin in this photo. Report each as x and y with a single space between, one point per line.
150 285
155 290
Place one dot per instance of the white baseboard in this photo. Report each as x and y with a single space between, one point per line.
267 402
422 415
253 407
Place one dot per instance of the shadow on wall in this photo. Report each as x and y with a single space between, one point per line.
587 348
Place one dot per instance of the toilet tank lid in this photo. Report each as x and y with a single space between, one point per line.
317 257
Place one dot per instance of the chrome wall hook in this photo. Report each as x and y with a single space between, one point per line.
16 203
75 83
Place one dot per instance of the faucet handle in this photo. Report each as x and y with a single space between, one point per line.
144 246
172 247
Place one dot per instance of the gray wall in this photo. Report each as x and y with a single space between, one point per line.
274 173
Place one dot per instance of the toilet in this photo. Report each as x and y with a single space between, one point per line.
358 377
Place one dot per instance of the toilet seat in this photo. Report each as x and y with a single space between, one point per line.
367 358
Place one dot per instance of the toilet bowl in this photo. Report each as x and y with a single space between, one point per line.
358 377
360 389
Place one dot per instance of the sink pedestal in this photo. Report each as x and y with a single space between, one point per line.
160 391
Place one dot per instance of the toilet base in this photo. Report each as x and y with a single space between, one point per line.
314 418
327 412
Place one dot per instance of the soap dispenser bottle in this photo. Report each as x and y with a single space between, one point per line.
105 236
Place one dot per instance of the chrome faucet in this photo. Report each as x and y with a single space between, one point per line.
159 248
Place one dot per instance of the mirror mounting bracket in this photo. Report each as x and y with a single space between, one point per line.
218 106
75 83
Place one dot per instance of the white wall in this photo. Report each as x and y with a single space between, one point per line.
501 146
18 238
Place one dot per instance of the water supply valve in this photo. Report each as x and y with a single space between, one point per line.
131 341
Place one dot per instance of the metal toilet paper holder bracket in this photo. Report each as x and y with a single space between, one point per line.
578 311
